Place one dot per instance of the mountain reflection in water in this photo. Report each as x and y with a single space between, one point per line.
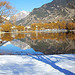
47 43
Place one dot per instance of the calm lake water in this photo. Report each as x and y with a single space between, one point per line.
42 42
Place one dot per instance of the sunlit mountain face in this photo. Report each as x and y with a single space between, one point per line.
20 15
51 12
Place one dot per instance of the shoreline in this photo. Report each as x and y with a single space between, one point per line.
49 31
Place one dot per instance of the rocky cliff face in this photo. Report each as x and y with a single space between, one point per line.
56 10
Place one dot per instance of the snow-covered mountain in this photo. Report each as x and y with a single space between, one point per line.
21 15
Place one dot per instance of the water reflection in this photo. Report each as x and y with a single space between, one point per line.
47 43
52 36
11 36
38 36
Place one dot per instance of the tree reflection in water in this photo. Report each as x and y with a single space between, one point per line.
48 43
52 36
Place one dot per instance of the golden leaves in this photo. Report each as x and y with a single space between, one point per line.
7 26
6 4
56 25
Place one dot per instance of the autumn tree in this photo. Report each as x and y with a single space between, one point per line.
20 28
33 26
63 25
7 26
6 10
71 26
46 25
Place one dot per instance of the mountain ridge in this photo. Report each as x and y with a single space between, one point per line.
49 12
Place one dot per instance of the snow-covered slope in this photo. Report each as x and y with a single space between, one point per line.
21 15
37 65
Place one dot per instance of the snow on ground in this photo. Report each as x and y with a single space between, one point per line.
63 64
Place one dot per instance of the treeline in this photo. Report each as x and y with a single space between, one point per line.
9 27
53 25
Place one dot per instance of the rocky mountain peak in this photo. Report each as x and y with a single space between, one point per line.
21 15
53 11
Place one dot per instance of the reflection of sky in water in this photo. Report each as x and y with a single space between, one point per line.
11 49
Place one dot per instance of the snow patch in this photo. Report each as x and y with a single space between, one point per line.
21 15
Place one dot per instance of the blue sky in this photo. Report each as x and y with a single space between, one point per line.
27 5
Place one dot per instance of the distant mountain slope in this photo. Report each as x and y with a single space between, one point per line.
56 10
21 15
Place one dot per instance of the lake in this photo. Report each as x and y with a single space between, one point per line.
37 43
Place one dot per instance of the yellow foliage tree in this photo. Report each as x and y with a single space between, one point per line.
20 28
6 10
7 26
